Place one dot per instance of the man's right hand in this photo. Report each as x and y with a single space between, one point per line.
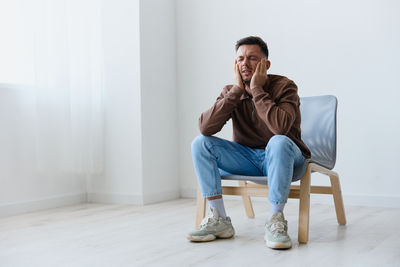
237 78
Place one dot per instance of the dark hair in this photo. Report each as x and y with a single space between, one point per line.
253 40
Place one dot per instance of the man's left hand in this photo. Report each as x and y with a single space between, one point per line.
260 75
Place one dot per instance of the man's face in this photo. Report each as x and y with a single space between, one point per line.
247 57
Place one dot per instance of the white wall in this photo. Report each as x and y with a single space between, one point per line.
122 180
140 121
158 95
345 48
166 62
25 184
141 126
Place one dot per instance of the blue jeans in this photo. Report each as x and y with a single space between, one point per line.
278 161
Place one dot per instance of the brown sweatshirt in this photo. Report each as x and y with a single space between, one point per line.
273 109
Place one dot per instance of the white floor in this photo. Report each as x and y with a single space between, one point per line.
98 235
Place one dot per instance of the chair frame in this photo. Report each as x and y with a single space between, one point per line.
302 192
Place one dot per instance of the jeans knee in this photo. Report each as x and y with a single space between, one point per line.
279 143
199 143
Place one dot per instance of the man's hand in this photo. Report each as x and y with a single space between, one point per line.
237 78
260 75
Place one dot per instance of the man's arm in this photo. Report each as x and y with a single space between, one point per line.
279 115
212 120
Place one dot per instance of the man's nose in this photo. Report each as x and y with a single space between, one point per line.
245 62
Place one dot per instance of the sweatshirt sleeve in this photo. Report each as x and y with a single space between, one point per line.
212 120
279 114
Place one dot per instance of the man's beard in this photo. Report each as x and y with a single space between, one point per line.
246 81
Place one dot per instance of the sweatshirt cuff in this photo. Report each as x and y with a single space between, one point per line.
259 90
235 93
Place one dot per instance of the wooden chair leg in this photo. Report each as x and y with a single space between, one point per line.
338 200
201 207
247 201
304 206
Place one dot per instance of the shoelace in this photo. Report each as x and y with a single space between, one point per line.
277 227
204 222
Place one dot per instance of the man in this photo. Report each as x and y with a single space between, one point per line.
264 109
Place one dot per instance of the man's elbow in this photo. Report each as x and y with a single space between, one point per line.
205 131
280 131
283 128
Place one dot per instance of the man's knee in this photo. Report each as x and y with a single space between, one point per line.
279 143
199 143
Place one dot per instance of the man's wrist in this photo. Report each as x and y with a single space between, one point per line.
236 90
256 90
234 93
259 92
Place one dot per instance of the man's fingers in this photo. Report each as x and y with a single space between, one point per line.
257 68
236 68
237 79
264 65
238 72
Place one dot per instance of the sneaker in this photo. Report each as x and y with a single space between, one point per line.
212 227
276 236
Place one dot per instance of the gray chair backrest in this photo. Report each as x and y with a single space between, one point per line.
318 128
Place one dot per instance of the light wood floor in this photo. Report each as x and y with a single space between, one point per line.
98 235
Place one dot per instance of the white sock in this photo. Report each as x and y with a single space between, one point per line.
276 208
218 204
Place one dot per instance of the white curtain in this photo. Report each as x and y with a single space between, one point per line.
63 80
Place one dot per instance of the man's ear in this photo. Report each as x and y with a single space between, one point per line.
268 64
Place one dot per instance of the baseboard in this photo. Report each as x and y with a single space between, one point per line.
388 201
115 198
135 199
9 209
166 195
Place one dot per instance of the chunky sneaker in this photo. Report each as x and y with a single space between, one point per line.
276 232
212 227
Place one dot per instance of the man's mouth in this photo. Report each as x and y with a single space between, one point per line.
246 72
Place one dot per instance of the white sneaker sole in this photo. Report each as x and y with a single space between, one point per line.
203 238
278 245
211 237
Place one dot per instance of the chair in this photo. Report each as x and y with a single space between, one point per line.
319 133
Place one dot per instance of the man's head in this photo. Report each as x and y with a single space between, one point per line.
249 51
